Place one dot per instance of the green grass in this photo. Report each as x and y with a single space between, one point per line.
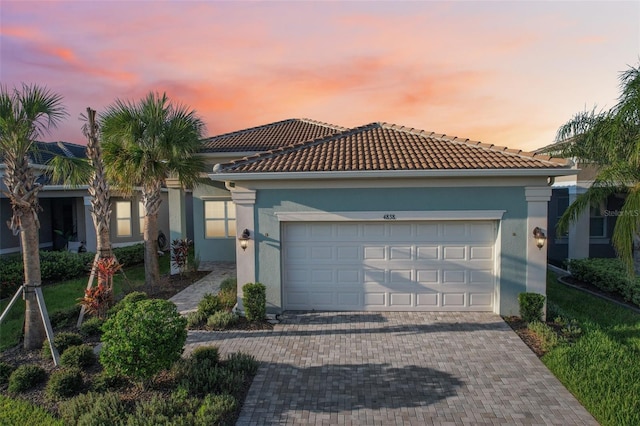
602 368
64 295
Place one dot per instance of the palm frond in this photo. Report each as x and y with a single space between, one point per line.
626 230
69 171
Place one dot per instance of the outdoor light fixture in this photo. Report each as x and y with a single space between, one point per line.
244 239
539 236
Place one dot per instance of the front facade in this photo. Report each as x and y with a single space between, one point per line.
387 218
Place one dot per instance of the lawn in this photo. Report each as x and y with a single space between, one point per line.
602 368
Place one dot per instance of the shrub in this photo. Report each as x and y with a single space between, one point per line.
217 410
180 253
18 412
78 356
130 255
64 383
531 306
221 320
229 284
97 300
196 318
228 298
26 377
91 327
201 378
254 301
160 410
104 382
549 339
206 354
209 305
93 409
61 341
11 273
608 275
243 363
143 338
5 372
133 297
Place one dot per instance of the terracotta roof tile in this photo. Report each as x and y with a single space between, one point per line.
269 136
382 146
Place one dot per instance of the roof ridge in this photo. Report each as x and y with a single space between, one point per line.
275 123
479 144
64 149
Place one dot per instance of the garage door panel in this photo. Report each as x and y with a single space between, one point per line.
389 266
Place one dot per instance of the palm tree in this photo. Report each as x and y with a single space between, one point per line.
609 140
144 143
25 115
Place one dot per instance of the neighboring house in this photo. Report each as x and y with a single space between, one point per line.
66 214
378 217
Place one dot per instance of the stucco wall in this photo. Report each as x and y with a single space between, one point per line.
210 249
513 225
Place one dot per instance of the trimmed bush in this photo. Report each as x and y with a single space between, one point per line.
93 409
221 320
26 377
5 372
243 363
209 305
64 383
78 356
160 410
206 354
217 410
92 327
143 338
608 275
61 341
133 297
254 301
129 255
531 306
201 378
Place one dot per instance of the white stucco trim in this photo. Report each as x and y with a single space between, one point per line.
245 200
390 216
537 205
379 174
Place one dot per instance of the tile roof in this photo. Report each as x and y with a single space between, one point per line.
383 147
269 136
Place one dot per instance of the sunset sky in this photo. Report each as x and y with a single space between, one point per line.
507 73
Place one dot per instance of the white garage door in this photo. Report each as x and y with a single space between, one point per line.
389 266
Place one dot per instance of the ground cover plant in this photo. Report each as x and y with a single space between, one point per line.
592 345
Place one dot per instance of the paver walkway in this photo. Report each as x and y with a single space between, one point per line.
357 368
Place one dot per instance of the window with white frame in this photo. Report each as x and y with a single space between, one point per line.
141 213
597 222
219 219
123 218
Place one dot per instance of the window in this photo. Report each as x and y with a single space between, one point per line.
141 213
123 218
219 219
562 206
597 222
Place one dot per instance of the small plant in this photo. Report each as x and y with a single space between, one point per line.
93 409
105 382
206 353
64 383
26 377
215 409
209 304
91 327
254 301
244 363
61 341
97 300
229 284
531 306
549 339
160 410
142 339
196 319
133 297
194 262
78 356
180 253
5 372
221 320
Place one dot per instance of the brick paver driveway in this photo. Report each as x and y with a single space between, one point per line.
362 368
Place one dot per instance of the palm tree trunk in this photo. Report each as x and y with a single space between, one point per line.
34 332
151 199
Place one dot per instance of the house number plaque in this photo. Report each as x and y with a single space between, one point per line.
389 216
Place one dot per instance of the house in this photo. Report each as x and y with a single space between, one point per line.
66 214
590 235
379 217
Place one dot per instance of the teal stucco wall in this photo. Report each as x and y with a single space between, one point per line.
210 249
513 225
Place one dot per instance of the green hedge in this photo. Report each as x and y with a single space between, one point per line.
59 266
608 275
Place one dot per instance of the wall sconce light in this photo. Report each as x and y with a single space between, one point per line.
244 239
540 237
